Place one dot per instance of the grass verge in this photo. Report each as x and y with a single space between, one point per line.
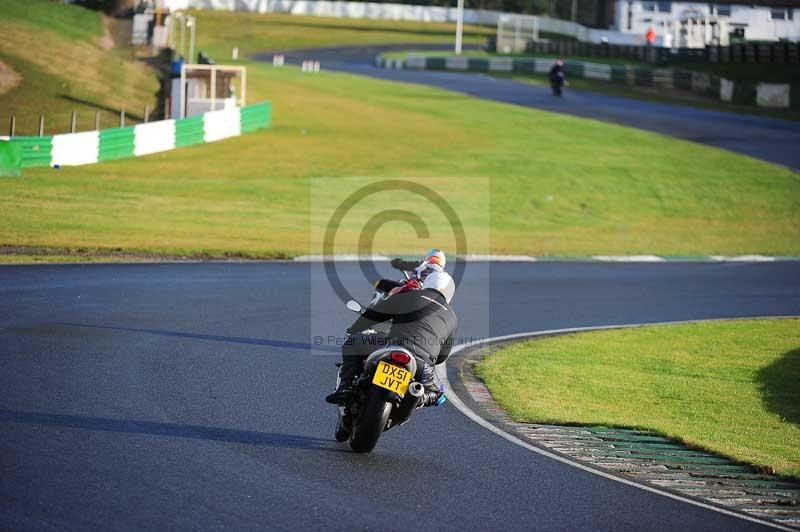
560 186
728 387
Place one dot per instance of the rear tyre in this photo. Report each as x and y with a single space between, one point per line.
343 427
370 423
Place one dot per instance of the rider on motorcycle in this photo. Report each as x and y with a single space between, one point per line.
557 80
422 321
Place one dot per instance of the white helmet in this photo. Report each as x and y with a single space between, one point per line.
442 283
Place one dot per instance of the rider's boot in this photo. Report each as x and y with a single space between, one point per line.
433 396
351 367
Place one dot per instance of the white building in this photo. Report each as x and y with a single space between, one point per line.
693 25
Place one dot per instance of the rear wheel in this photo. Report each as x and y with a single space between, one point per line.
371 421
343 426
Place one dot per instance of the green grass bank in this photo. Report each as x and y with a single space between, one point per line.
558 185
728 387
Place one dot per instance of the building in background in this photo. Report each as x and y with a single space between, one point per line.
695 25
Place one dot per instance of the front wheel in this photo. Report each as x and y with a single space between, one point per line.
371 421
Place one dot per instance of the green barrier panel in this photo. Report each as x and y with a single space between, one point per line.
10 159
619 74
435 63
682 79
36 151
524 65
714 90
477 64
744 93
189 131
116 143
253 117
643 76
574 69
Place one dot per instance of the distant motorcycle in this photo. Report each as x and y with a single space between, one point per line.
557 79
557 83
386 393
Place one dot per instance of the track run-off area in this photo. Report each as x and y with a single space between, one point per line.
770 139
190 397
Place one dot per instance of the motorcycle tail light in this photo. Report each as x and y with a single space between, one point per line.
400 357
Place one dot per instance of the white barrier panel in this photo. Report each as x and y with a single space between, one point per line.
662 77
416 62
597 71
221 124
542 66
772 95
456 62
501 64
154 137
725 90
74 149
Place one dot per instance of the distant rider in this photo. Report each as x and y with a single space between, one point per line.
557 78
422 321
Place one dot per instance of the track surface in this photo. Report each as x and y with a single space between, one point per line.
765 138
189 397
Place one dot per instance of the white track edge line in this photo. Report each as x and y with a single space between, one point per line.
464 409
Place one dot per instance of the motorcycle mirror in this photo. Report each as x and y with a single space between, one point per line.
354 305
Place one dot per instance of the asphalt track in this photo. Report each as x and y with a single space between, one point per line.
770 139
190 397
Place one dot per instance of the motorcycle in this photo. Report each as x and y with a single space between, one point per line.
557 84
386 393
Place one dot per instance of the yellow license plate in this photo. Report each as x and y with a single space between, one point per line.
392 378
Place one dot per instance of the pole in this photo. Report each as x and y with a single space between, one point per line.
122 118
213 89
183 37
244 87
459 25
12 128
41 126
73 122
182 113
97 120
192 23
146 114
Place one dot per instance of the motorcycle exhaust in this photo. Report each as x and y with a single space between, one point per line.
416 389
407 405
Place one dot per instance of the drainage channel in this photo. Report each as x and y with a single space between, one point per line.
649 458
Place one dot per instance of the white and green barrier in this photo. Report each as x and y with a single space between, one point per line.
89 147
738 92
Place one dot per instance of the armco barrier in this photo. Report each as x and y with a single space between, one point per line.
738 92
765 53
142 139
189 131
116 143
